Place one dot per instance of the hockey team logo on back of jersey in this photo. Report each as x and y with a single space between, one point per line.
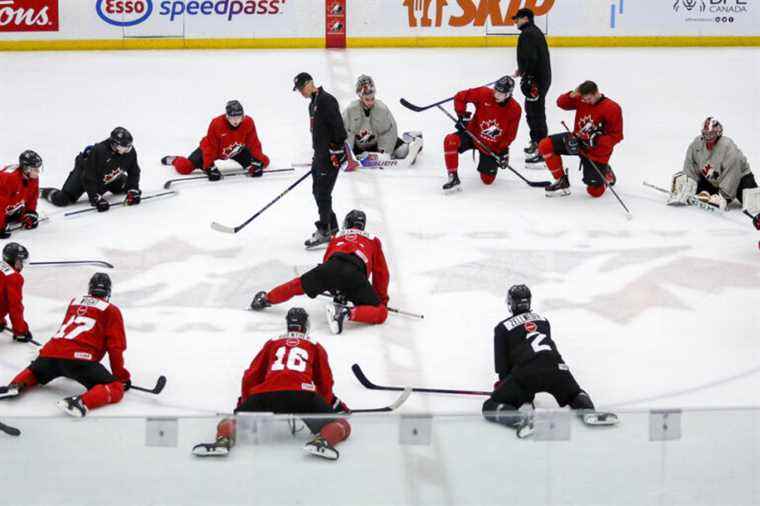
28 15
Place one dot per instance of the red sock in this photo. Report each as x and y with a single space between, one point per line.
227 428
451 145
25 378
285 291
183 165
369 314
487 178
335 432
100 395
553 161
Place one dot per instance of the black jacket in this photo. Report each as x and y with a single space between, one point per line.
327 129
100 166
533 55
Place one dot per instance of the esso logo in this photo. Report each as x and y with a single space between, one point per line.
530 327
124 12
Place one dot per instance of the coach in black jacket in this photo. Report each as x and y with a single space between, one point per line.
328 138
534 67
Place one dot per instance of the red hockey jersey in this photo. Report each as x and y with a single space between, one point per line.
493 124
370 250
605 116
289 362
11 298
17 193
222 141
92 326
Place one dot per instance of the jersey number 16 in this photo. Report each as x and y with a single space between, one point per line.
294 359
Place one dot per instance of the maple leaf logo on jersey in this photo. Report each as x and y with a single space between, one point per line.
490 129
586 125
232 150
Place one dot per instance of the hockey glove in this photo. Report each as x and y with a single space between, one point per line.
339 406
23 338
756 221
4 232
337 157
133 197
127 385
30 220
256 168
101 203
572 145
213 173
462 121
503 159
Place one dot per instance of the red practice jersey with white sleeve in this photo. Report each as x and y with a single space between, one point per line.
287 363
17 193
222 141
92 327
605 116
370 250
11 297
494 124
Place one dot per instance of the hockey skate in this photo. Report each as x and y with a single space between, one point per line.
168 160
336 315
73 406
534 159
260 301
599 418
45 193
321 448
453 184
525 427
531 149
318 238
219 449
560 188
9 392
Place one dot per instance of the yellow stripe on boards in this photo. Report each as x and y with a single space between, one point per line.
160 43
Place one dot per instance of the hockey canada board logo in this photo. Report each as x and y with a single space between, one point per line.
437 13
28 15
490 129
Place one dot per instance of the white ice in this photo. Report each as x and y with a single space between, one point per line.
657 311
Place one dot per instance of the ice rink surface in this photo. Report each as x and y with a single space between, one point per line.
657 311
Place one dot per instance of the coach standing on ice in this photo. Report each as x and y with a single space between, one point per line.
328 138
534 69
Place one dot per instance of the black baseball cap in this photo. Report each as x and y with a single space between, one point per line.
300 80
524 13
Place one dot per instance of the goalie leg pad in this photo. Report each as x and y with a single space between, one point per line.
682 188
751 200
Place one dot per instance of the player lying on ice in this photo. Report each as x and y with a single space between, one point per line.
91 328
19 190
290 374
715 171
352 257
528 362
231 136
598 127
372 131
12 291
494 124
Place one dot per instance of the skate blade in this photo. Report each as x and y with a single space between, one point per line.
561 193
202 451
325 453
75 413
600 419
453 191
331 322
526 431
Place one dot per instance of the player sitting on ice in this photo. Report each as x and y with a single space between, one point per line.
715 171
92 326
108 166
527 362
12 291
290 374
598 128
493 125
372 130
352 256
19 189
231 136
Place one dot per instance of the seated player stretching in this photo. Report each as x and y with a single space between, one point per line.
19 191
352 256
15 257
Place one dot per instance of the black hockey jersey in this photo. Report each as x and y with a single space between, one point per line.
520 339
100 166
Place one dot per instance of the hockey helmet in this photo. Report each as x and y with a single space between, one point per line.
712 130
297 320
13 253
518 299
355 219
100 285
30 161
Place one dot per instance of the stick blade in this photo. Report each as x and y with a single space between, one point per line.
223 228
160 384
167 184
411 106
402 398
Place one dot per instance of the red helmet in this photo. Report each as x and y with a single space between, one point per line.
711 130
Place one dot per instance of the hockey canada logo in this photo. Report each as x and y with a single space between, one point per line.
490 129
28 15
437 13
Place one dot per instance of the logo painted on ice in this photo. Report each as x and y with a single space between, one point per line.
124 12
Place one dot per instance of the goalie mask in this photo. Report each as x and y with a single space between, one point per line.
712 130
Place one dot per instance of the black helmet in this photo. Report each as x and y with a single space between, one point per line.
100 285
234 108
518 299
297 320
13 252
29 160
505 85
355 219
121 137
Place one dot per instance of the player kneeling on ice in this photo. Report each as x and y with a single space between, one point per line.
527 362
231 136
92 326
715 171
372 130
290 374
108 166
352 256
12 291
598 128
19 189
493 125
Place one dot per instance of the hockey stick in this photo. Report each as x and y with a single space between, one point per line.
31 341
224 174
755 219
420 108
486 150
121 204
20 226
96 263
692 200
160 384
11 431
368 384
234 230
628 214
406 392
390 309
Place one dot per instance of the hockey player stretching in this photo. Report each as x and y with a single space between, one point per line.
19 191
527 362
290 374
91 328
352 256
12 291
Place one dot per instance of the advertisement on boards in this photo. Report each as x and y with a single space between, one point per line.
28 15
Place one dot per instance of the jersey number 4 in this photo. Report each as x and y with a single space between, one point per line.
535 339
294 359
74 326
